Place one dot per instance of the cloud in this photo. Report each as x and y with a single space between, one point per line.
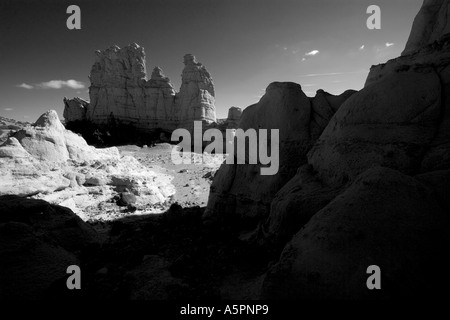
8 109
54 84
389 44
362 47
303 59
25 86
329 74
58 84
312 53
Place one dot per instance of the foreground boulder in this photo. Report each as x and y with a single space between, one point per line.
38 242
328 258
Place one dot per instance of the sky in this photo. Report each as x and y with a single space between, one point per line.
244 44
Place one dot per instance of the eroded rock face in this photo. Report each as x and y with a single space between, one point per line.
390 123
432 21
400 121
120 93
48 162
384 218
240 188
48 140
75 109
196 97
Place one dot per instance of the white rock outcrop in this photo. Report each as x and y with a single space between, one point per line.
47 161
121 93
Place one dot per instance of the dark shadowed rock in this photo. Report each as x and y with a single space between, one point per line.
126 198
29 262
295 203
432 21
60 223
240 188
38 241
284 107
384 218
439 181
152 280
390 123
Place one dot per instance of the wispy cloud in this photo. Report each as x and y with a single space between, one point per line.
58 84
330 74
312 53
362 47
54 84
8 109
25 86
389 44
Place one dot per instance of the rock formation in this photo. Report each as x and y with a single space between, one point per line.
368 190
239 188
75 109
120 93
234 116
432 21
384 218
49 162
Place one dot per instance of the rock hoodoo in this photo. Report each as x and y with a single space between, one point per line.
121 93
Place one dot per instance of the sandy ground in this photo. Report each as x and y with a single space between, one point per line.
192 181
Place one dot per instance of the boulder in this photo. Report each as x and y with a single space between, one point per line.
75 109
29 263
60 223
38 242
384 218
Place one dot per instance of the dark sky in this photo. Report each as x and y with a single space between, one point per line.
244 44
